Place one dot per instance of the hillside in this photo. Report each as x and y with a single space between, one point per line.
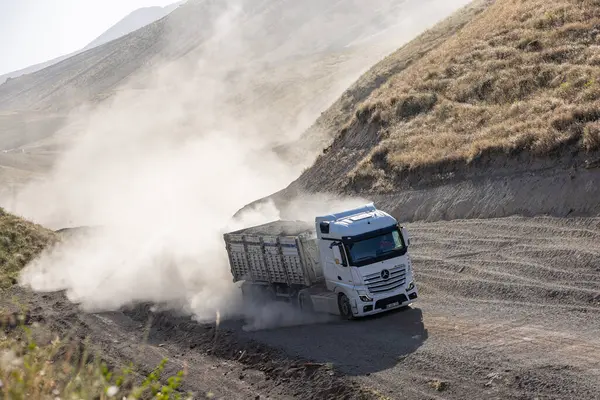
268 67
320 134
302 31
161 162
500 118
33 68
20 242
130 23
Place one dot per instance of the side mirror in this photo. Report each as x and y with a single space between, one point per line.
405 236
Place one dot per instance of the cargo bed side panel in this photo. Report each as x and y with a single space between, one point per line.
238 262
284 259
274 261
292 260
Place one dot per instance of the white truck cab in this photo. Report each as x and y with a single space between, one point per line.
365 261
353 263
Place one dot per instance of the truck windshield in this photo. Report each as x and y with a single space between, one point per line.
377 248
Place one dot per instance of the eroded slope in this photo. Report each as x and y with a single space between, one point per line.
501 118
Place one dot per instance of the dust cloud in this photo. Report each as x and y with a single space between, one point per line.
277 315
160 169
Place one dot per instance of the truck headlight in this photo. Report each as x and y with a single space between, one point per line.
410 286
364 296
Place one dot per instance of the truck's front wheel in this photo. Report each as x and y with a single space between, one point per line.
345 307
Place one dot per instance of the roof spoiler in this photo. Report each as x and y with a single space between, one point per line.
345 214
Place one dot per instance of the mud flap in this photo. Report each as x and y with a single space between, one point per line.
354 305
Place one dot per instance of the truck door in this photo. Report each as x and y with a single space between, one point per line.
343 274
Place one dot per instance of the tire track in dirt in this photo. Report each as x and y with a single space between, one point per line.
543 260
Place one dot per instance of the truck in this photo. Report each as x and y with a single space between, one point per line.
353 263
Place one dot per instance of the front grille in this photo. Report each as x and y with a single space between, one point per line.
376 284
401 298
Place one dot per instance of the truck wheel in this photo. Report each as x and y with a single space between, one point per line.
345 307
305 303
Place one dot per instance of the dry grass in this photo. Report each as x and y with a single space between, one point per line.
523 75
591 136
68 369
20 242
328 124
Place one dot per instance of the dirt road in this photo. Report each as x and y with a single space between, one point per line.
509 309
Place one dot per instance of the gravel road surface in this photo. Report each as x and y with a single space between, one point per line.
509 309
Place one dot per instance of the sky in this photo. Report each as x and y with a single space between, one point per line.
34 31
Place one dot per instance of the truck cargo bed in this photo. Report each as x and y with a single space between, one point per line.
277 252
276 228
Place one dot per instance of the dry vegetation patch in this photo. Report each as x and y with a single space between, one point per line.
522 76
327 126
70 369
20 242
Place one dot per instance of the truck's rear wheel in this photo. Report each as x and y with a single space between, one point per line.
345 307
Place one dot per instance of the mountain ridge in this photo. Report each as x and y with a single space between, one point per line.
133 21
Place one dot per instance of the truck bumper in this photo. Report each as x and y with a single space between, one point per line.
381 304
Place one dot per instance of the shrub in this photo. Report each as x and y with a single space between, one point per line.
412 105
67 370
591 136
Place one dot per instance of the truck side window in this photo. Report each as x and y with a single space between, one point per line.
343 253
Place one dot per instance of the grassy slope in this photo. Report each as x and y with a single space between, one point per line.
20 242
339 115
522 75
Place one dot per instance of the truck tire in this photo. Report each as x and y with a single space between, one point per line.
345 307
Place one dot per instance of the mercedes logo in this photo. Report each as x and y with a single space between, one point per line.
385 274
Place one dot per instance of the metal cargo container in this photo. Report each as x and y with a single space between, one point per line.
280 252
